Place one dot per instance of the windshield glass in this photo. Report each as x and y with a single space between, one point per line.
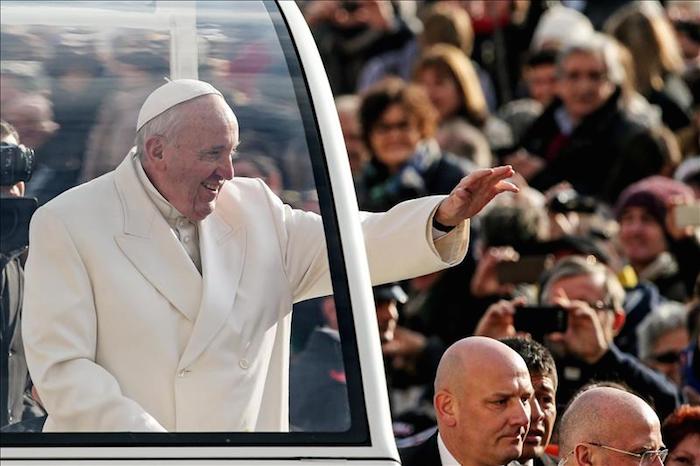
128 351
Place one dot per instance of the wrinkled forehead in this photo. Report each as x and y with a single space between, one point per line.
504 379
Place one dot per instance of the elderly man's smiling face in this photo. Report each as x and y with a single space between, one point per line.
583 84
196 160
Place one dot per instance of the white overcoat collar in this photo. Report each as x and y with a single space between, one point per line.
151 246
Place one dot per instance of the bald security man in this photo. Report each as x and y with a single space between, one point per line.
605 426
482 404
158 297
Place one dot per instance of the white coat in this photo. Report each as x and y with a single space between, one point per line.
122 333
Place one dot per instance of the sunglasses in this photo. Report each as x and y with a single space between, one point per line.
667 357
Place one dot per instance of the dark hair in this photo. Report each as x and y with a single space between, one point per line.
511 225
684 421
390 91
537 358
542 57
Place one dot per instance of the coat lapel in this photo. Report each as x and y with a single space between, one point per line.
223 253
152 247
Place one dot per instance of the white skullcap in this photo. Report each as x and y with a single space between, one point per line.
562 26
169 95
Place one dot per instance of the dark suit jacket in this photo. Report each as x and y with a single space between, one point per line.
318 396
423 454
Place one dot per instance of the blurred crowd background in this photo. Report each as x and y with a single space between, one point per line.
595 104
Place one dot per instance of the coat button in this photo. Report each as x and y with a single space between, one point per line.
244 364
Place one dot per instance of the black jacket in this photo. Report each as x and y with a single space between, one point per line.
605 153
318 395
423 454
617 366
427 172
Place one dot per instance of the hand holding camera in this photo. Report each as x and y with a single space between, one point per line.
584 336
498 321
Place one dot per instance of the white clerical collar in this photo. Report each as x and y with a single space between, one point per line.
446 457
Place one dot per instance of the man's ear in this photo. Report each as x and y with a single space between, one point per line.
619 321
154 149
445 408
583 455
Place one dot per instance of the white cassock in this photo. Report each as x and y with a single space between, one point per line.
123 333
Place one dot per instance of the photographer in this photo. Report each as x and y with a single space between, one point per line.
591 298
16 163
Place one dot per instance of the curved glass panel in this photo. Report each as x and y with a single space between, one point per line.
74 75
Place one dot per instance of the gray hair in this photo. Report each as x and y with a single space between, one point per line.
667 317
575 266
598 46
164 125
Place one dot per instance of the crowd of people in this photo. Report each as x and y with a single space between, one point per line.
595 105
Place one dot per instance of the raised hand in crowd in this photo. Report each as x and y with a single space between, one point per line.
485 281
498 321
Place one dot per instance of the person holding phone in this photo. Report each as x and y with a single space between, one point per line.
592 297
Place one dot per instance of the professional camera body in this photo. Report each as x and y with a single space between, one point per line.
16 163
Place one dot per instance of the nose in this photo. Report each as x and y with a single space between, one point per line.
536 412
225 168
521 416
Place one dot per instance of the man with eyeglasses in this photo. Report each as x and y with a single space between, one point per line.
587 130
605 426
592 298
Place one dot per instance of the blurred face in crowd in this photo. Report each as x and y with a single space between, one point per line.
543 412
541 83
394 137
641 237
666 354
442 90
352 134
588 289
190 168
484 415
32 117
387 317
583 84
686 453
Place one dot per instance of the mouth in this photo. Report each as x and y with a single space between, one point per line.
534 437
212 186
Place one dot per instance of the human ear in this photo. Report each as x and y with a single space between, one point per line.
619 320
445 408
154 149
583 455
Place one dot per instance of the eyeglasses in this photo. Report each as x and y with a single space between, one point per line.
384 128
647 458
668 357
601 306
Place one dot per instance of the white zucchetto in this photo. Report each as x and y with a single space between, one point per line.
170 94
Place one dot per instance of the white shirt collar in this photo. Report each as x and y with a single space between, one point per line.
446 457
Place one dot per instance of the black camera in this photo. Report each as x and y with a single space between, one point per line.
571 201
16 163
